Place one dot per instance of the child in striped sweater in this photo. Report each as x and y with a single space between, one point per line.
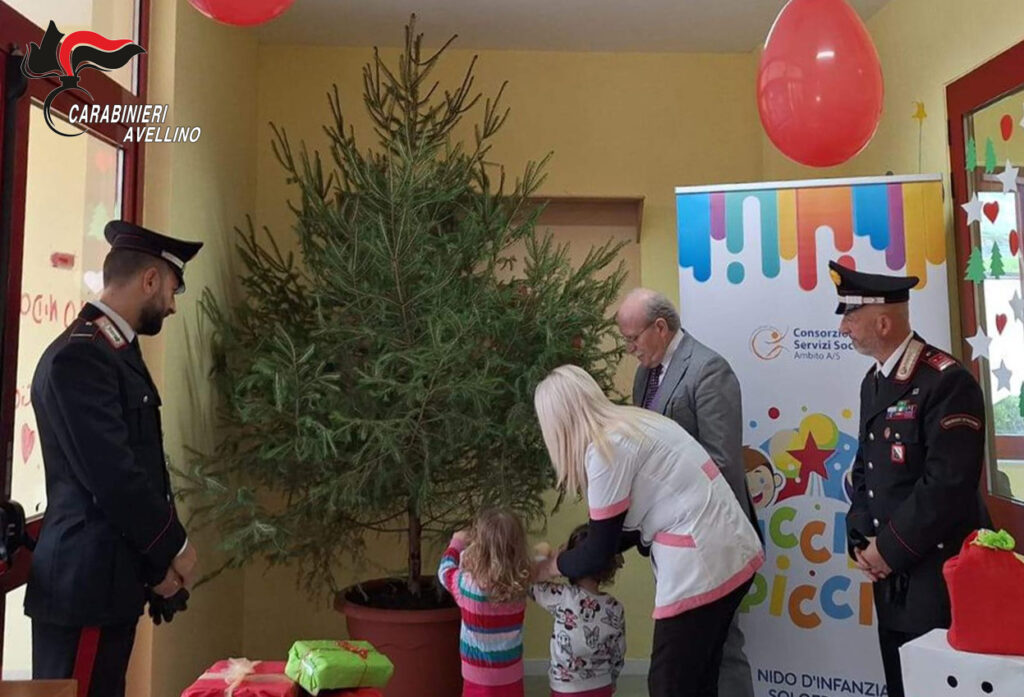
488 571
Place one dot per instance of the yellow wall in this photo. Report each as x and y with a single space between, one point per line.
206 72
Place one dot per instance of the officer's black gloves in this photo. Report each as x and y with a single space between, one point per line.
163 609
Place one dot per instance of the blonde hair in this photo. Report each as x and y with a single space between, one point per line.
497 556
573 413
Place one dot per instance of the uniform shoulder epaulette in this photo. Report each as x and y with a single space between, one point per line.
911 357
83 330
939 360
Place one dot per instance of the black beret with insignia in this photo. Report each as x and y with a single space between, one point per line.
857 289
124 235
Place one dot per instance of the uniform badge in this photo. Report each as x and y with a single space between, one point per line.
901 411
899 453
110 333
960 420
909 362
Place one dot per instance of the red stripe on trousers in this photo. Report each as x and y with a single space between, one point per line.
85 658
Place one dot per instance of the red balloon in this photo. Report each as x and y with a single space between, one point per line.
241 12
819 84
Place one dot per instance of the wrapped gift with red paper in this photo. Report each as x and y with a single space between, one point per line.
353 692
240 677
986 592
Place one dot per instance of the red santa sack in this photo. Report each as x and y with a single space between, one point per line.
986 592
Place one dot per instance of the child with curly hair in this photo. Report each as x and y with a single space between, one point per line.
487 569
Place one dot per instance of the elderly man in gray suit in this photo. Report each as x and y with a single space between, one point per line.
686 381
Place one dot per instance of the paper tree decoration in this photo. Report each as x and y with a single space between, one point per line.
1020 402
995 264
972 155
975 266
990 156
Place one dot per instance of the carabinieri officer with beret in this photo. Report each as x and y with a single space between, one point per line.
916 474
111 539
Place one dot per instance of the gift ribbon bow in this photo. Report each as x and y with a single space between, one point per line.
310 667
357 650
995 540
240 670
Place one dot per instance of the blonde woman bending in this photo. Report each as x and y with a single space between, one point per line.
649 483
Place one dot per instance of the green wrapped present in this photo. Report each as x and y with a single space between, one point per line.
331 665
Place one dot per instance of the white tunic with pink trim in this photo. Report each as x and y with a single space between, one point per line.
702 546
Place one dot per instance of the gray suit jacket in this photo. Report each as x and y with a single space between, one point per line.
701 393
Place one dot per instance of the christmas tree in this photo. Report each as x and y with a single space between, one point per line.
990 156
972 155
975 266
995 264
1020 402
383 382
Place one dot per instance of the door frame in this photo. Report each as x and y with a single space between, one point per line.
984 85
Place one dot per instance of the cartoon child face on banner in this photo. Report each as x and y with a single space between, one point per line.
762 479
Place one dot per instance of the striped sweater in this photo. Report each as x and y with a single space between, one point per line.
491 638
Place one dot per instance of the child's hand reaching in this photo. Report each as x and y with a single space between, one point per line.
461 536
546 569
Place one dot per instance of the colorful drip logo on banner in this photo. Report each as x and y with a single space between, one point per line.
903 219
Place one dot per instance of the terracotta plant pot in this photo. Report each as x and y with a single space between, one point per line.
422 644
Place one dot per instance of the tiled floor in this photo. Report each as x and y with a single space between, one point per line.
628 687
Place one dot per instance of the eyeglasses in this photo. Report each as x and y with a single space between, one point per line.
631 340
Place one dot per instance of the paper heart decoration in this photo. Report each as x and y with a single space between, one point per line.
991 210
1006 125
28 442
1000 323
1014 242
93 280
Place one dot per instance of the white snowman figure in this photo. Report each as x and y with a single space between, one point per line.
933 668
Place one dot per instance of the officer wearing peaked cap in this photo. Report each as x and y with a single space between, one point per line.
918 465
111 541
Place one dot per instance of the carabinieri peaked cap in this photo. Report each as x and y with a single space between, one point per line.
124 235
857 289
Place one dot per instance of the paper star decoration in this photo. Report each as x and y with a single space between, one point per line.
1009 178
920 114
979 344
1018 306
1003 375
973 208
